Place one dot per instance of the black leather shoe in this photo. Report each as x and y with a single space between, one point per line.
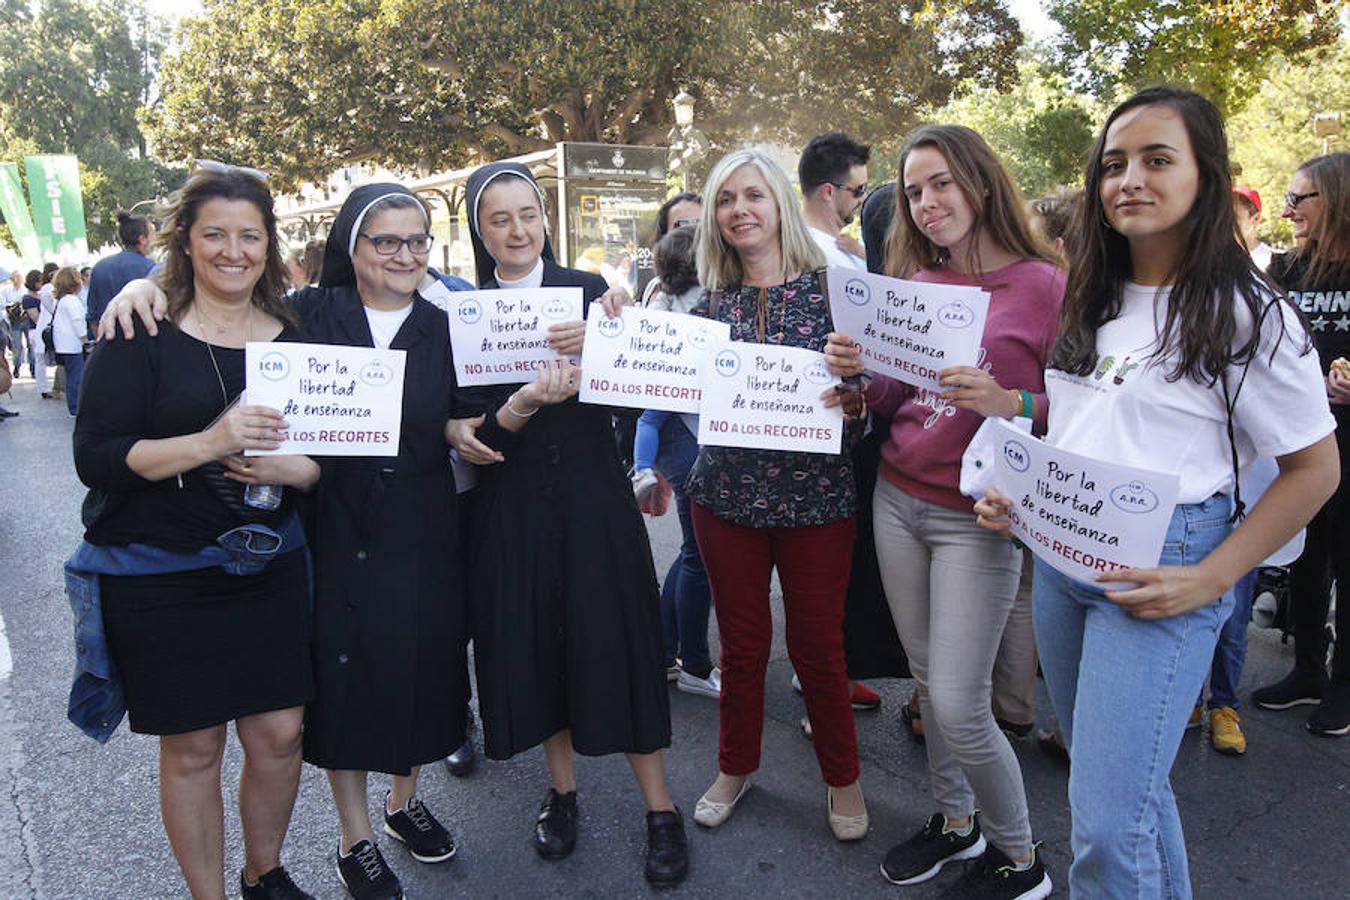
667 848
463 761
7 413
555 831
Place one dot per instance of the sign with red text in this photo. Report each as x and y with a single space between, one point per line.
646 358
767 396
338 401
1080 515
908 330
499 336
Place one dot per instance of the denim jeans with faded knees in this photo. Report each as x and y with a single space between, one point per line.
686 598
1123 689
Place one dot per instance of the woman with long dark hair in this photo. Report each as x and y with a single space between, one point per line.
1317 276
1175 356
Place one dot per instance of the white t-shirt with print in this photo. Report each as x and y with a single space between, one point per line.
1127 412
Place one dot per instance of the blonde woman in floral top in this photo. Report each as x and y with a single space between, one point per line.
757 510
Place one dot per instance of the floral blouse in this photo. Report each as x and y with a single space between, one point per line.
774 488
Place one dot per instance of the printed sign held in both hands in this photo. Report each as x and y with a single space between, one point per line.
646 358
338 401
499 336
767 396
908 330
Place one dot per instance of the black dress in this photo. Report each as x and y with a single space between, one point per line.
389 632
566 610
201 647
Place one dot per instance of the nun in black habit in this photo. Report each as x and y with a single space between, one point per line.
565 605
389 617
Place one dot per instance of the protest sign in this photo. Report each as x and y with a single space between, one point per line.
767 396
338 401
1080 515
909 330
646 358
498 337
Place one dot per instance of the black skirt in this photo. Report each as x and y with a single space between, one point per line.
200 648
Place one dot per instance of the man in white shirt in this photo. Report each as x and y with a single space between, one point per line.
1247 210
832 173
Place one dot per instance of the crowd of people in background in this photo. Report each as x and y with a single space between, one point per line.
362 588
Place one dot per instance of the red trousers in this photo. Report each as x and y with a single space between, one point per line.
813 566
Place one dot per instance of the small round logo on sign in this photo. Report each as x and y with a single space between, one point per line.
857 291
469 311
816 373
1134 497
727 363
1016 456
698 338
274 366
956 315
555 309
376 374
610 328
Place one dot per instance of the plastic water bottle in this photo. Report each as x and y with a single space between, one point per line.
262 496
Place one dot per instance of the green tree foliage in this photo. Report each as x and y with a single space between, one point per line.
1042 129
1221 48
300 86
73 76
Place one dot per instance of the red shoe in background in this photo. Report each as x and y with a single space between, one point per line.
864 697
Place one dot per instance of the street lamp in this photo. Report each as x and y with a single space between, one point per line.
688 145
1326 126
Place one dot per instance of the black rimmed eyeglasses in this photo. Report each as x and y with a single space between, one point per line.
858 192
389 244
1292 200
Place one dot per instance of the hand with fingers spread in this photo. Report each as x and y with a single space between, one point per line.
142 299
1163 592
843 355
245 428
460 434
291 470
975 389
992 512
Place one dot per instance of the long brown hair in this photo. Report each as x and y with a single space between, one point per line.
996 202
180 212
1327 250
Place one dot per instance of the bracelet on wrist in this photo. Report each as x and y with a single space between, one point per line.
511 408
1028 404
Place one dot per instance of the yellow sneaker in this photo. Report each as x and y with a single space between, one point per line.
1225 733
1197 716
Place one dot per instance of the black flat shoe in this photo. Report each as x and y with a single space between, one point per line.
555 831
464 760
667 848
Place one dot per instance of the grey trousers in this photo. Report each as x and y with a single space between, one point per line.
950 585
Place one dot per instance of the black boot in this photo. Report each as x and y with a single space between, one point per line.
555 831
667 848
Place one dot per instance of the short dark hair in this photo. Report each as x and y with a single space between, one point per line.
674 260
827 158
130 229
663 214
33 280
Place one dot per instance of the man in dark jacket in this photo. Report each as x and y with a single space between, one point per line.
110 275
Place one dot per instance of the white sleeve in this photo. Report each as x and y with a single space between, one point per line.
1282 406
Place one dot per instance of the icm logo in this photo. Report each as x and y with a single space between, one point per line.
1016 456
469 311
857 291
956 315
698 338
376 374
610 328
816 373
274 366
727 363
556 309
1134 497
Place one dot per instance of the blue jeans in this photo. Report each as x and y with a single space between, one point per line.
685 595
1123 689
74 363
647 438
1231 653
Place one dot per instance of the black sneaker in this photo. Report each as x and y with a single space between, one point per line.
366 874
1295 689
923 856
555 831
416 828
667 848
1332 716
996 877
273 885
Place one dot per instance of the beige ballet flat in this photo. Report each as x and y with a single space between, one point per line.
846 828
710 813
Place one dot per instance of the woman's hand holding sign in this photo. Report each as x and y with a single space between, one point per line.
568 338
843 355
975 389
553 383
1165 591
992 512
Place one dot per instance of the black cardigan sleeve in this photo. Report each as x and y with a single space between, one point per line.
116 396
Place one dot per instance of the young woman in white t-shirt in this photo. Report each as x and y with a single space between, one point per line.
1160 325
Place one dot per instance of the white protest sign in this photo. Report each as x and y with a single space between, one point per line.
499 336
338 401
767 396
646 358
1080 515
909 330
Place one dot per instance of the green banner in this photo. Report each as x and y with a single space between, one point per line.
58 208
15 210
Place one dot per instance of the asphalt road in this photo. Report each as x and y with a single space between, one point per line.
82 821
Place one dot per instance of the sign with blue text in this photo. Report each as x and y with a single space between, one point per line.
769 397
499 336
646 358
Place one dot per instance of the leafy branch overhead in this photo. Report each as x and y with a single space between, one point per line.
301 86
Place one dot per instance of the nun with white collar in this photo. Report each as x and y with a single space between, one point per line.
389 616
565 605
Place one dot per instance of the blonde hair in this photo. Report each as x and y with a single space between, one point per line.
66 281
719 265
